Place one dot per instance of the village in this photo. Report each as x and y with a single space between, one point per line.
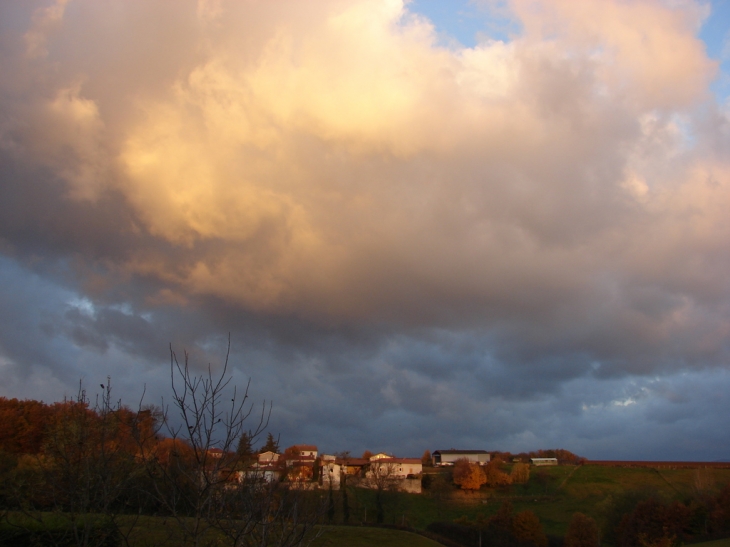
305 468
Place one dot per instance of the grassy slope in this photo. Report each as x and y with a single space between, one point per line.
567 490
563 491
352 536
717 543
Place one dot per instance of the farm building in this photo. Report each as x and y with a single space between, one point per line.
448 457
544 461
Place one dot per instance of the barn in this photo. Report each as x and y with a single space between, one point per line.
448 457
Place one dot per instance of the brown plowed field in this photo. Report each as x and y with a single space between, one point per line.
659 465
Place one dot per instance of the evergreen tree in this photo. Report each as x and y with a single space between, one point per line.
244 450
272 445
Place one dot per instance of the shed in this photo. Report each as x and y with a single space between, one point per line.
544 461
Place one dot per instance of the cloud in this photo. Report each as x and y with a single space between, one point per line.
391 229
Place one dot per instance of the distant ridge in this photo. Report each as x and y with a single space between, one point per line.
661 464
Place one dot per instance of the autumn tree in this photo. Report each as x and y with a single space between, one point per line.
23 425
520 473
527 529
499 526
468 475
367 455
86 468
653 523
505 529
582 532
426 460
494 474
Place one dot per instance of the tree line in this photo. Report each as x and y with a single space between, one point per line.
85 472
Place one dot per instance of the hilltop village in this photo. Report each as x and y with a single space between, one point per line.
303 465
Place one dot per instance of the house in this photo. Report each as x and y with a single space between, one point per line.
268 457
330 473
301 472
216 453
260 473
309 450
396 468
380 456
449 457
544 461
353 466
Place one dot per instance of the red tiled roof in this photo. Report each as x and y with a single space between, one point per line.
353 461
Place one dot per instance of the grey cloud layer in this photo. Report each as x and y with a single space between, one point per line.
397 235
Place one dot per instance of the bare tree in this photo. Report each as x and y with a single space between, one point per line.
344 469
258 511
381 477
205 485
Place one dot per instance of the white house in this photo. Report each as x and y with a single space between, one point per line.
396 468
330 473
306 450
268 457
263 473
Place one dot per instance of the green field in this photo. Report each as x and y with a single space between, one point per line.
352 536
554 494
717 543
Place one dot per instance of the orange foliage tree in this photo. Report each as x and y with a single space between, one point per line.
520 473
495 475
468 475
23 425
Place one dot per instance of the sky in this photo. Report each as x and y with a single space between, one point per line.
494 225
